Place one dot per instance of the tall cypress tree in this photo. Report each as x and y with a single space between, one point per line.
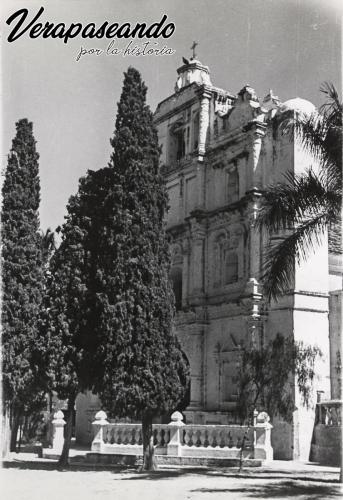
75 298
144 371
22 278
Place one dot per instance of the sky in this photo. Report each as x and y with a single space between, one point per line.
289 46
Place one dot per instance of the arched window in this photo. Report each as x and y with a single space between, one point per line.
233 186
231 268
176 279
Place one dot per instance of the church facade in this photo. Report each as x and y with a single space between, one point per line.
219 151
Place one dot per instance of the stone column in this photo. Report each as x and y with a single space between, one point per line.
204 119
262 434
255 249
58 424
174 447
99 423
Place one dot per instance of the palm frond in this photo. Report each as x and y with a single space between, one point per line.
333 108
286 204
281 257
320 133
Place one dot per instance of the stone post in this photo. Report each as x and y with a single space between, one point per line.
99 423
58 424
174 447
262 434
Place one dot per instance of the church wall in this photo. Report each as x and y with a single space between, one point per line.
280 320
335 328
312 275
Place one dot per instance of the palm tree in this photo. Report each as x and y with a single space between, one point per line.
305 206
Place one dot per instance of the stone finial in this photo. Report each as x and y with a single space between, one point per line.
263 418
176 417
58 420
100 415
247 93
271 101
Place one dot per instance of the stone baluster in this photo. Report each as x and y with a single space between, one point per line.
230 443
158 437
58 424
174 446
202 437
165 437
135 435
99 423
115 435
197 438
120 436
262 445
210 436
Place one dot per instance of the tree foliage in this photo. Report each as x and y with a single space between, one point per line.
304 206
111 303
22 279
75 297
145 373
265 376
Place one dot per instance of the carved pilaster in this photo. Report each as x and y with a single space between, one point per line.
257 132
185 271
255 250
204 119
198 234
252 306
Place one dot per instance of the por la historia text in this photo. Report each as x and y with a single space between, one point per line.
22 25
146 49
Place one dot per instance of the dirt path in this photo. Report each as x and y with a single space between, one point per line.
44 483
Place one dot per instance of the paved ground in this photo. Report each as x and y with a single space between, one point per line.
33 480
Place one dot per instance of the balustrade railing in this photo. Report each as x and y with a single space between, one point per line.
131 434
329 413
178 439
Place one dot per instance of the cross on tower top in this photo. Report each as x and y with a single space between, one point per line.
193 48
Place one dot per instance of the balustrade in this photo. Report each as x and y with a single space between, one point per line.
178 439
329 413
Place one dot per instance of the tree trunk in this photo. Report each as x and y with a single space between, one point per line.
64 458
5 430
149 461
15 421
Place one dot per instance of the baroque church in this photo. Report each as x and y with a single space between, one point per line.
219 151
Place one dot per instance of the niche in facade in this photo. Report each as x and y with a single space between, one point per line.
195 130
225 263
231 268
179 138
176 279
233 186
